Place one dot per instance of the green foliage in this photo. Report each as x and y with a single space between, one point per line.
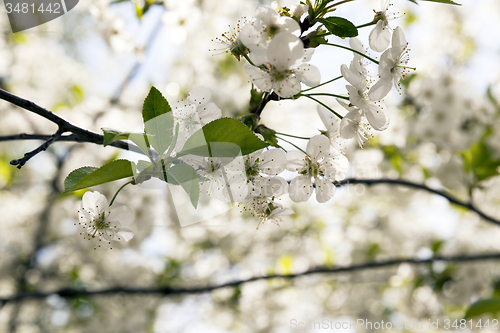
491 305
141 140
158 121
339 26
225 137
89 176
186 176
479 161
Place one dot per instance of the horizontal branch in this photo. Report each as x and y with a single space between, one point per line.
168 291
451 199
78 134
22 161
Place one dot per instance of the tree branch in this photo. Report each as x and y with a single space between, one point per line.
167 291
79 134
451 199
22 161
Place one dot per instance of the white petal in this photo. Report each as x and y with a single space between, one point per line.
308 74
356 44
308 53
119 214
289 25
301 188
199 95
398 41
208 112
318 146
349 124
94 202
377 116
325 190
258 77
386 64
267 15
270 186
272 162
296 160
380 37
125 234
353 78
380 89
285 51
288 87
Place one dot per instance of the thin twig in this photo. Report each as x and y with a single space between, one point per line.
406 183
22 161
168 291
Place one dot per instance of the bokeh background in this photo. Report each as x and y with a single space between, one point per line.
95 65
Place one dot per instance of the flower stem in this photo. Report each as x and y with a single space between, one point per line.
114 197
326 106
293 145
249 61
355 51
337 3
293 136
326 94
322 84
365 25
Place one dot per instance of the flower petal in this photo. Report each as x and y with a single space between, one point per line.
300 188
258 77
308 74
377 116
380 37
318 146
272 162
120 215
285 51
94 202
208 112
325 189
380 89
296 161
199 95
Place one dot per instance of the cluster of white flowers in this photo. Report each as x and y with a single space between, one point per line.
272 43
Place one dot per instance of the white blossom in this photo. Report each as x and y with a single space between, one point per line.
266 209
285 69
194 112
332 124
354 125
380 36
247 174
257 35
374 111
102 221
393 66
323 163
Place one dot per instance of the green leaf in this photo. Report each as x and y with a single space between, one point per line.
117 169
158 120
76 175
186 176
154 105
479 160
491 305
141 140
225 137
339 26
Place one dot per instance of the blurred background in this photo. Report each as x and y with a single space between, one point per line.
94 67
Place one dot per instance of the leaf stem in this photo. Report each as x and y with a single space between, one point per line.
326 94
326 106
293 145
293 136
114 197
355 51
365 25
337 3
248 59
322 84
